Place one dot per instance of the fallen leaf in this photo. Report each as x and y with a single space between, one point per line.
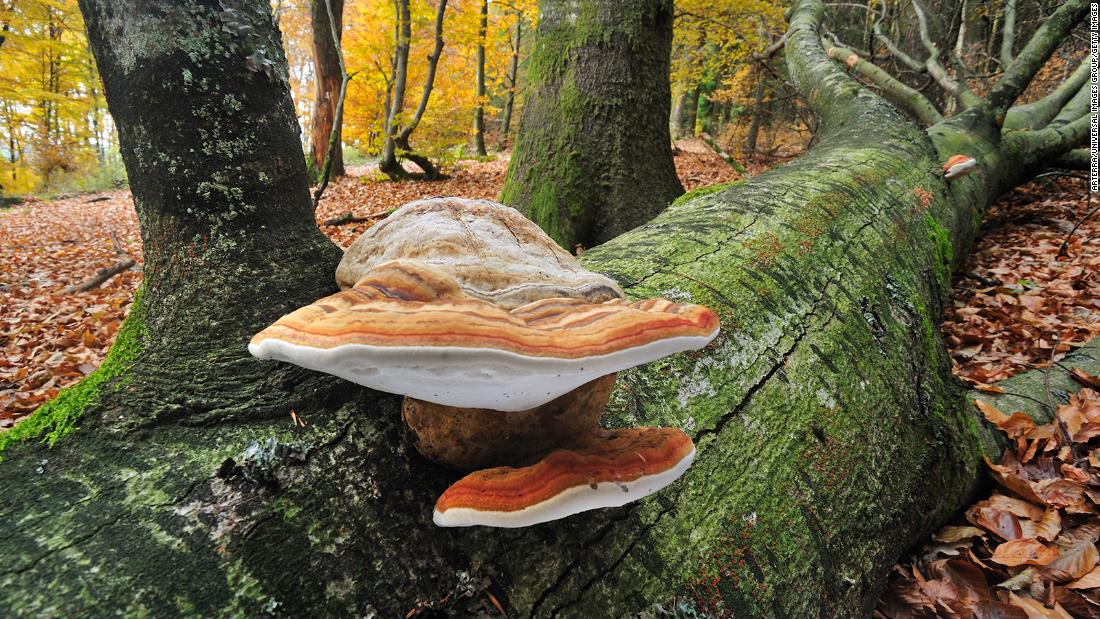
1024 552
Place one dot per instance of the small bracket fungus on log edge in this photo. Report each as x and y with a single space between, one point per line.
958 165
506 349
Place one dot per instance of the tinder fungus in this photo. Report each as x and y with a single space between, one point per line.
506 349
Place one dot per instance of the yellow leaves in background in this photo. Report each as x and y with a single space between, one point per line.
368 49
714 40
52 117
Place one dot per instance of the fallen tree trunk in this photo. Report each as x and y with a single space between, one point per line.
831 434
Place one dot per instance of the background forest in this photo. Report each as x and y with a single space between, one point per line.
56 136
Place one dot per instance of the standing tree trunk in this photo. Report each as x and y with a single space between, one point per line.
757 114
831 435
396 145
479 112
683 115
327 78
593 157
513 77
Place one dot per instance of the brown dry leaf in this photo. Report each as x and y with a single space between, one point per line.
1027 578
1036 610
1013 482
1081 415
1003 524
967 580
996 332
1077 555
1086 379
1078 603
1022 509
1050 525
1027 551
1015 425
1088 581
993 609
950 534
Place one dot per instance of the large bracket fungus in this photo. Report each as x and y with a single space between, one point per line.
505 348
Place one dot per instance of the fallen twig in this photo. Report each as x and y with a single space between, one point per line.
983 280
349 218
1065 244
101 276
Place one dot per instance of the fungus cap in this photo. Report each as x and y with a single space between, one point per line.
607 469
409 328
492 251
958 165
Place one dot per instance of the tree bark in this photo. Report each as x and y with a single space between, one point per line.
593 157
831 434
1008 33
327 79
479 111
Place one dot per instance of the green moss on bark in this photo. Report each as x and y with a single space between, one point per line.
58 417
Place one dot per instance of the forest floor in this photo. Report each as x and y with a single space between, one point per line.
1028 294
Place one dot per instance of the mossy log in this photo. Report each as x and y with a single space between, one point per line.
831 435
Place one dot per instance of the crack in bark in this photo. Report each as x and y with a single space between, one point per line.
614 565
776 366
77 541
581 553
671 267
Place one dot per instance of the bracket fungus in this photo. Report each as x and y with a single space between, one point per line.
958 165
607 468
492 251
506 349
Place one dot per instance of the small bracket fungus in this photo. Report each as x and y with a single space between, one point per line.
609 468
958 165
506 349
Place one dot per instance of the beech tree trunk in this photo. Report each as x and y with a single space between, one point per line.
683 115
479 111
513 80
396 145
593 157
831 434
327 78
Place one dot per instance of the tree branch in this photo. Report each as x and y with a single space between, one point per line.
906 59
1076 159
954 87
898 93
1038 114
1077 107
1035 54
1035 147
1008 32
101 276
